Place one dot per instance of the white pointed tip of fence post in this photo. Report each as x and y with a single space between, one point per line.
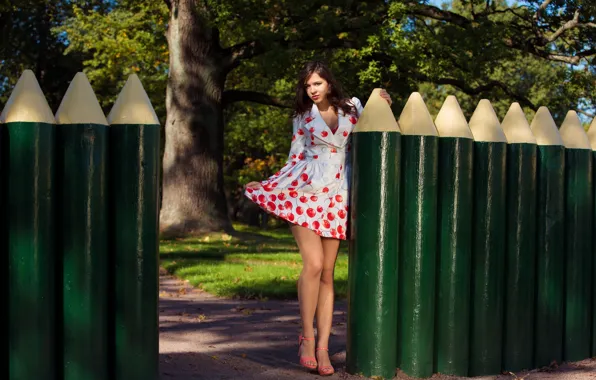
592 134
450 120
376 115
415 118
544 128
133 105
485 125
516 127
572 133
27 103
79 104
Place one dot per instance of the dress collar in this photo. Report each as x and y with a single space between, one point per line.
319 129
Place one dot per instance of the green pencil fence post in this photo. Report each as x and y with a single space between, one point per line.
579 207
82 177
28 158
488 254
550 240
374 224
134 205
456 148
592 138
520 258
420 145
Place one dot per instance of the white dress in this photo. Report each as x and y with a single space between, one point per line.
311 189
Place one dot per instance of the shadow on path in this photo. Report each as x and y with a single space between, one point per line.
211 338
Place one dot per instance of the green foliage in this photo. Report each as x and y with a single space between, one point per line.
28 43
128 39
475 49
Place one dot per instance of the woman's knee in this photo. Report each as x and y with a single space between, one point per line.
313 268
327 276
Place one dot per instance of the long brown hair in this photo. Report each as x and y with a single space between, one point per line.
336 97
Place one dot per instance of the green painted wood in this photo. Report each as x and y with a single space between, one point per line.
30 180
134 212
418 254
520 259
550 255
82 180
4 273
579 205
454 255
373 254
488 258
594 262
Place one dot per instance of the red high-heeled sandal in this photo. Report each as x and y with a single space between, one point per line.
325 370
305 360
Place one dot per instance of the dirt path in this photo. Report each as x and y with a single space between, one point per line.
210 338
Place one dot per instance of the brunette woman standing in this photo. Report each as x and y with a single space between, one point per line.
311 193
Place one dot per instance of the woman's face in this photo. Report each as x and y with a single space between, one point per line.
317 88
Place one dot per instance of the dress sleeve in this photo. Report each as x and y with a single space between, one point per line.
296 149
358 106
298 140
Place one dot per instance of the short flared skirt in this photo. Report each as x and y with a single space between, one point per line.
310 194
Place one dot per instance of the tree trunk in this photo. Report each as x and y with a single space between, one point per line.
193 193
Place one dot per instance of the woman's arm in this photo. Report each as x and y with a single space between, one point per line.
298 140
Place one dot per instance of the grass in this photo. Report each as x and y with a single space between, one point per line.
253 263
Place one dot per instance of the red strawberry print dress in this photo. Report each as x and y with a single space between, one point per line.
311 190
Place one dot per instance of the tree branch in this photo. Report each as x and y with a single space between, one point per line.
234 55
470 90
232 96
541 8
244 50
523 45
565 27
438 14
590 115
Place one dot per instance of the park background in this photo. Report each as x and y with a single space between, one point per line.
221 75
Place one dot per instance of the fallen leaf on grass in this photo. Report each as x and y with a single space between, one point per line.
201 317
182 291
214 357
243 355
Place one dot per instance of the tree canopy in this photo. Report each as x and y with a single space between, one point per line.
246 53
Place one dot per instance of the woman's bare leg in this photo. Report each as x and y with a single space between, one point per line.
311 250
326 296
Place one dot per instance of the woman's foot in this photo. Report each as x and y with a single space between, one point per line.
306 351
324 364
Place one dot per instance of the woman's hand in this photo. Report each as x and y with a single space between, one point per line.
385 95
252 185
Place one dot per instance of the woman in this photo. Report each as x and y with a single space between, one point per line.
311 192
